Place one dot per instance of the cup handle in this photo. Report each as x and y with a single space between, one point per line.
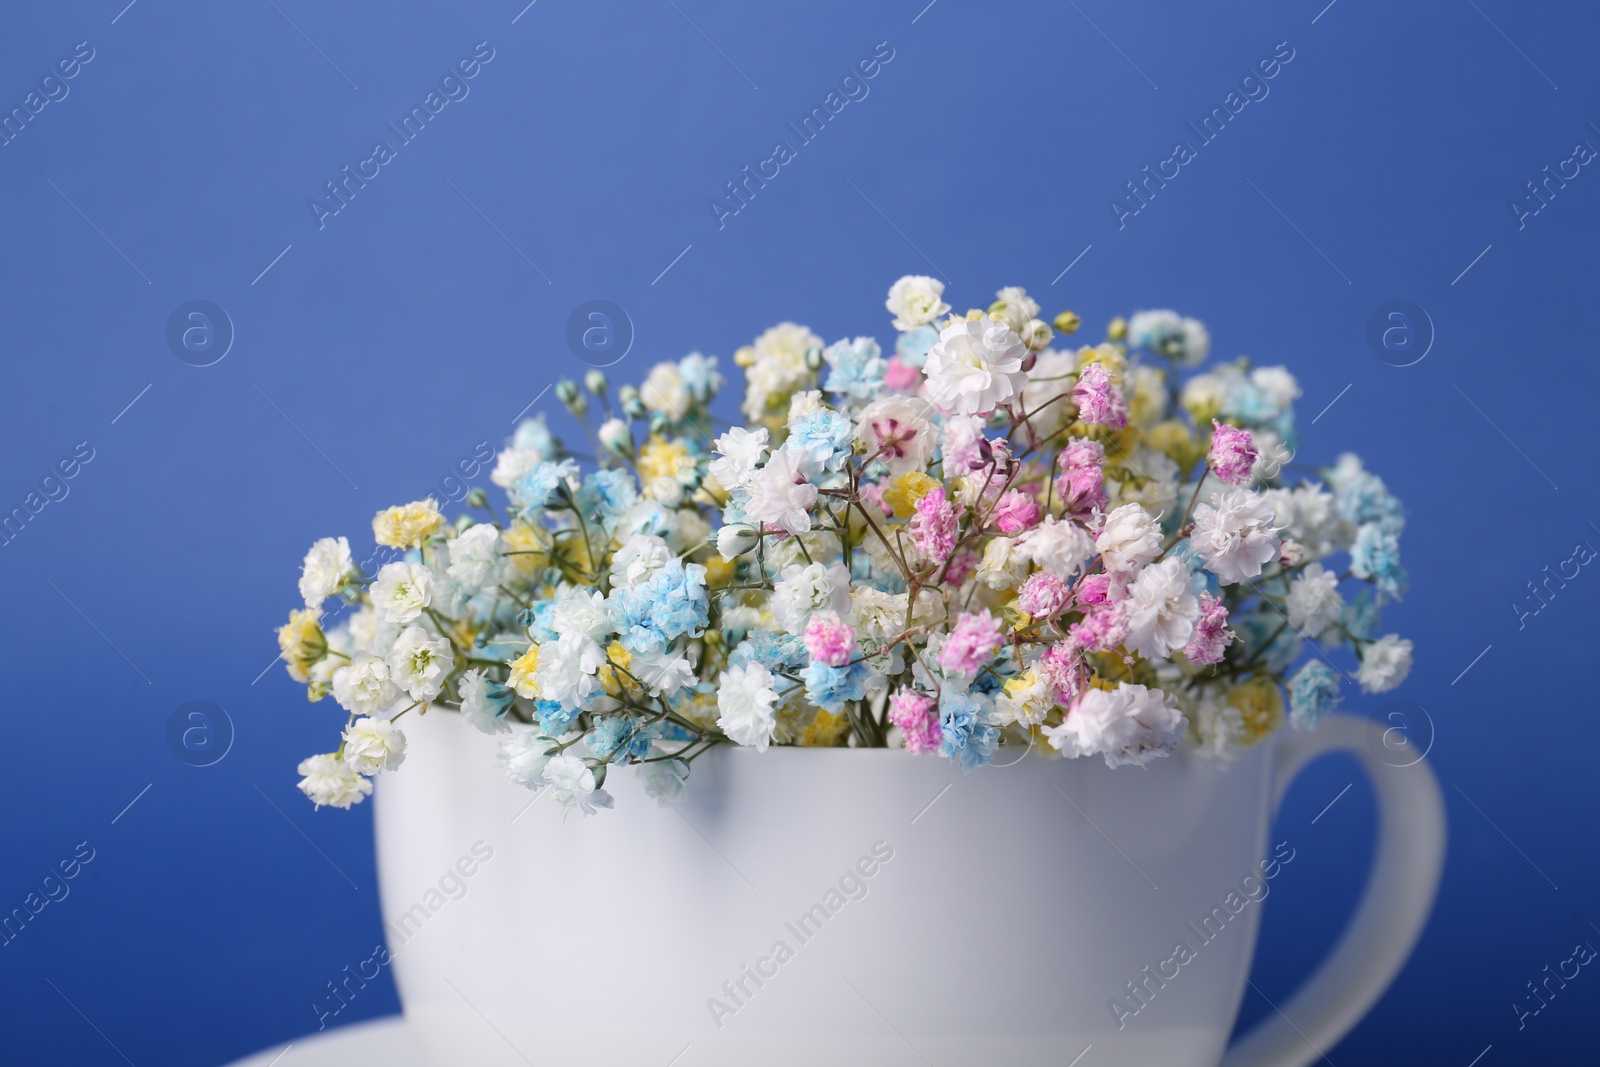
1394 907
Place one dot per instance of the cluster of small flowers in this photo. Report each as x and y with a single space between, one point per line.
977 540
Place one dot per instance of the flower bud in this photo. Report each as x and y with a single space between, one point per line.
567 392
1067 322
1036 334
616 437
595 382
735 540
477 498
1118 329
632 406
813 359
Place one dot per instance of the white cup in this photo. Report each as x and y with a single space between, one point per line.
866 906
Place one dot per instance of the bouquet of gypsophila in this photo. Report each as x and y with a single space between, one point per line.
979 540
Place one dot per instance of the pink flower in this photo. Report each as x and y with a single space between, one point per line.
1096 589
1098 399
1081 485
1044 594
1211 633
829 640
1063 664
933 527
973 642
1016 512
1100 630
901 378
960 567
1231 455
917 715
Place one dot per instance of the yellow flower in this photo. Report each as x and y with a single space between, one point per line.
529 548
408 525
660 458
572 550
827 730
906 490
1260 704
613 679
1118 329
522 669
1108 356
1173 439
1149 400
302 642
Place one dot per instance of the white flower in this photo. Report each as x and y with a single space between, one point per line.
1130 538
803 404
477 705
778 368
1310 515
1015 307
899 430
581 611
325 570
373 745
566 670
1235 535
1277 385
1384 664
523 753
1314 602
916 300
745 699
1161 609
1059 546
735 540
401 592
1204 393
512 463
1218 725
638 558
1156 487
663 673
1004 563
1026 699
779 497
804 591
1129 724
418 664
571 782
975 367
475 557
331 781
1272 455
663 391
739 453
364 686
616 437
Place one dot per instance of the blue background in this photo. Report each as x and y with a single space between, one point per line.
412 326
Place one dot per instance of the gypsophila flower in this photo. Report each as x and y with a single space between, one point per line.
326 568
373 745
330 781
1313 692
1384 664
973 541
915 301
745 699
1231 455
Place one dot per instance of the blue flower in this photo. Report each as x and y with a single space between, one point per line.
536 620
778 653
534 435
1376 556
620 738
553 718
824 437
1313 692
1361 616
829 687
967 736
1362 498
912 346
670 603
608 493
532 491
699 376
856 368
